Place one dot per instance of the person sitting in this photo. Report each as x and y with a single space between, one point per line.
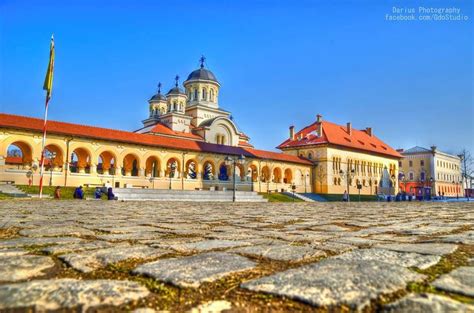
110 194
98 193
57 193
78 193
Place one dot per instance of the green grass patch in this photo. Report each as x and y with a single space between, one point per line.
279 197
4 196
66 192
353 198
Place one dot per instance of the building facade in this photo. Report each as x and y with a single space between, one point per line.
430 172
183 144
344 158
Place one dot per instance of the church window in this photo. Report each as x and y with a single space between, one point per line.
310 155
204 94
211 95
195 94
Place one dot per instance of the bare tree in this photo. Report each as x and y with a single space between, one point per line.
467 166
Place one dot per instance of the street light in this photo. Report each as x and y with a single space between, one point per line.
349 175
231 161
52 156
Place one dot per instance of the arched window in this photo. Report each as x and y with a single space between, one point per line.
195 94
204 94
310 155
211 95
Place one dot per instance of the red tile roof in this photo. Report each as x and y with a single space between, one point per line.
337 135
61 128
163 129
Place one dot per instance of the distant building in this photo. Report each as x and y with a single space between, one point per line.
345 158
425 172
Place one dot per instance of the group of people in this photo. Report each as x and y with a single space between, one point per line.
79 192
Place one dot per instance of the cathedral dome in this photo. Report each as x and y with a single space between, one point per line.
158 97
176 91
202 74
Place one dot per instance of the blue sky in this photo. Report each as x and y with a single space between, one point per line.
279 63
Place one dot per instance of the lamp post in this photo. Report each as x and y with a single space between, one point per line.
172 168
231 161
250 175
456 186
52 156
348 175
431 187
293 188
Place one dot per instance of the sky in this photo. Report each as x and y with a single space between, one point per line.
279 63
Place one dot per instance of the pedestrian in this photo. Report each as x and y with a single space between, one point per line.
78 193
110 194
98 193
345 196
57 193
443 195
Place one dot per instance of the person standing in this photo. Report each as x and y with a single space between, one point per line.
110 194
345 196
57 193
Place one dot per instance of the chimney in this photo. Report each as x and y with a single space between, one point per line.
349 128
368 130
319 118
292 132
320 129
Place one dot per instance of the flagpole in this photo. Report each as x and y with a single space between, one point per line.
43 146
48 86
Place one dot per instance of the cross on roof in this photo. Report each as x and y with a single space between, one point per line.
177 80
159 87
202 60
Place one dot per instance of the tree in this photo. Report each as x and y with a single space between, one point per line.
467 166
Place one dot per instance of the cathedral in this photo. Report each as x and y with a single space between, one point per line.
193 112
188 142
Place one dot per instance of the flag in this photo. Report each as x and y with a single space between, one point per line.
48 80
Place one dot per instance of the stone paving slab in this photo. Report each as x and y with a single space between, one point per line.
12 252
336 282
208 245
281 252
405 259
24 241
427 303
88 261
76 247
460 280
422 248
58 294
116 237
22 267
194 270
48 231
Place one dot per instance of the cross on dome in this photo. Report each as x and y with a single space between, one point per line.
159 87
202 60
177 80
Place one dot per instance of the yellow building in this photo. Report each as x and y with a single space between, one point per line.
425 172
344 158
183 144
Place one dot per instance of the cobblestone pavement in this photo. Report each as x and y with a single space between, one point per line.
197 257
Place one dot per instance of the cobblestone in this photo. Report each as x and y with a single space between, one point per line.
461 281
158 256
